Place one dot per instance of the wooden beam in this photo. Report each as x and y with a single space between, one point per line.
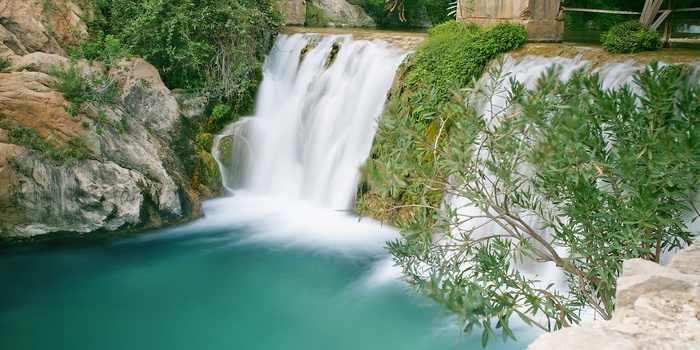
660 20
692 9
574 9
668 28
615 12
651 8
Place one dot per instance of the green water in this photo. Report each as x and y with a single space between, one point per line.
223 282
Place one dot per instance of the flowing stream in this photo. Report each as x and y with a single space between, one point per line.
279 264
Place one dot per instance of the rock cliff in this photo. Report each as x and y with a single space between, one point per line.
68 167
657 307
343 12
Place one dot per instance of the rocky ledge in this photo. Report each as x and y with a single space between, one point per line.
657 307
80 166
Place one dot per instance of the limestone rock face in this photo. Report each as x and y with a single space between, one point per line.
657 307
138 166
341 10
134 176
28 26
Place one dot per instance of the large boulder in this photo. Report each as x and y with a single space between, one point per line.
28 26
342 11
139 165
657 307
88 165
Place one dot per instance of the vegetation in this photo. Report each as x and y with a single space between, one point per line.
630 37
21 135
206 46
605 21
316 17
88 94
567 174
4 63
452 55
105 48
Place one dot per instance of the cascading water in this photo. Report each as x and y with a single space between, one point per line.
493 106
314 119
242 276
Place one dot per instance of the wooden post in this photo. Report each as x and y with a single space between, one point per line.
668 28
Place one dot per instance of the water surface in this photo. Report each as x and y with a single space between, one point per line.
246 276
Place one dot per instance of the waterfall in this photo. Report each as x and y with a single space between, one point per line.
314 118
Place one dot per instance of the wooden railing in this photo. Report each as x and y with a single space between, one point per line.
648 16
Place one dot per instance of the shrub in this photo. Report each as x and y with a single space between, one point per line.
88 93
78 87
630 37
450 58
4 63
221 112
316 17
453 54
105 48
216 46
608 173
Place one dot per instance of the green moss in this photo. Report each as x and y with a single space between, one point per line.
208 170
225 151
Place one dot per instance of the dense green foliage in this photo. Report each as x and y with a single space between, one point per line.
406 12
216 46
454 53
569 174
105 48
630 37
26 137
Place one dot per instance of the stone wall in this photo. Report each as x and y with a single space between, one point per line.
541 18
657 307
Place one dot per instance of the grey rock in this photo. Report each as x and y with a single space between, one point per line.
657 307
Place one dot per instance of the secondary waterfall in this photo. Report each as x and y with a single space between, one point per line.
526 70
314 118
